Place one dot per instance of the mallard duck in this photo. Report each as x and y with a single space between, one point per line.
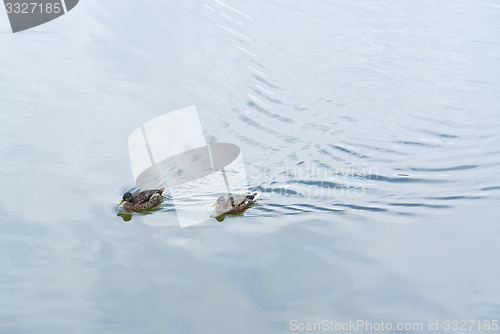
142 200
234 203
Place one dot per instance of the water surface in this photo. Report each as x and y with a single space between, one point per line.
370 127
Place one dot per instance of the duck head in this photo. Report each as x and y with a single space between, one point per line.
127 197
220 201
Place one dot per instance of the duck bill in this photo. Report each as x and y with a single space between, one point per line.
121 202
213 204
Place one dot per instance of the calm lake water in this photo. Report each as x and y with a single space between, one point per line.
371 128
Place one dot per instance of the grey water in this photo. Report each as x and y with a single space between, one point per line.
371 129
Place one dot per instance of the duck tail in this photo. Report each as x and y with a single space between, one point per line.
253 196
162 190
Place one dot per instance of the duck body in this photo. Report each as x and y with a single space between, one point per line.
234 203
142 200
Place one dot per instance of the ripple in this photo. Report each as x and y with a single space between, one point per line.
443 169
267 83
249 121
454 198
491 188
344 150
365 208
413 205
416 143
262 110
401 179
270 99
225 5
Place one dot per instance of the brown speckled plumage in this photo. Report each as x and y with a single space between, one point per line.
142 200
234 203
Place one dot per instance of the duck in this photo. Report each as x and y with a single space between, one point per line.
141 200
234 203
